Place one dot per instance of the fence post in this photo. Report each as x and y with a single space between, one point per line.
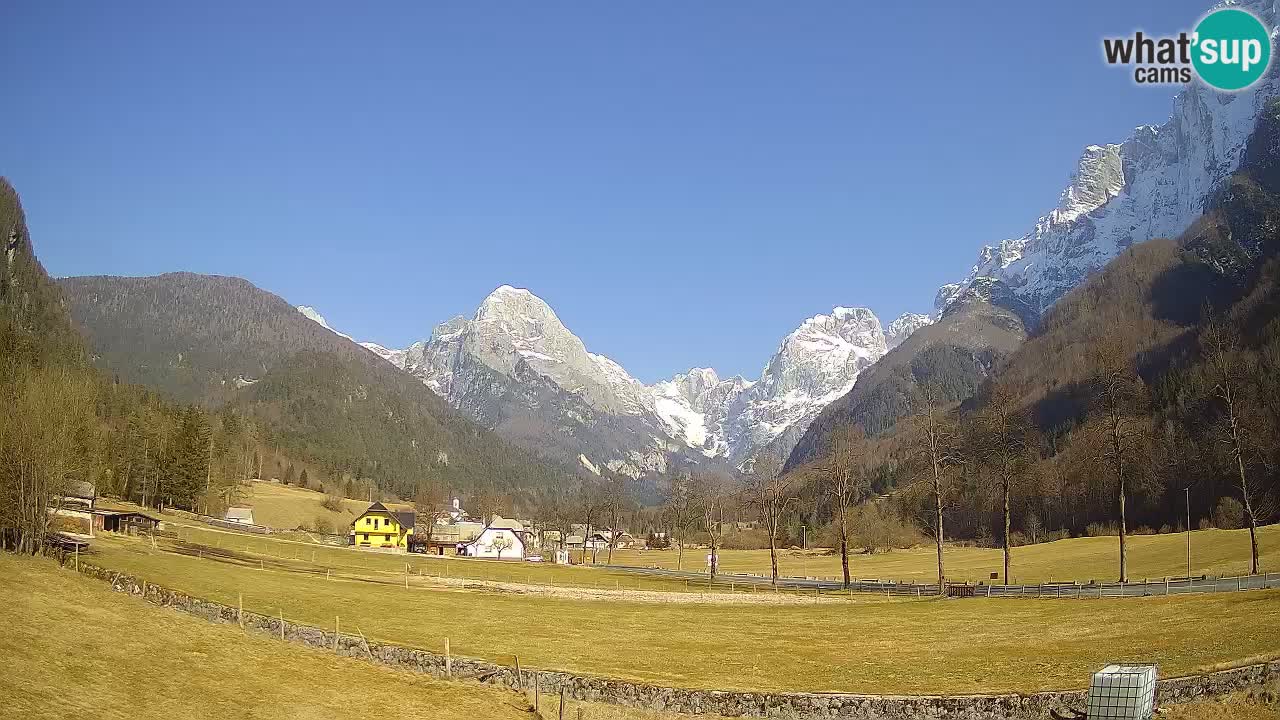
337 631
519 675
537 688
564 695
282 624
448 660
240 609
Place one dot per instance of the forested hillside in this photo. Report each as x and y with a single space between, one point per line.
313 395
1159 374
954 355
62 422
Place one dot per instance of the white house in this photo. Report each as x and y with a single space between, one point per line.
501 539
239 515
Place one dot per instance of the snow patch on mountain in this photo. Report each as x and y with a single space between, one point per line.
314 315
1154 184
902 327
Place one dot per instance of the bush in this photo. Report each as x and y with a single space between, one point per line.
654 541
1102 529
332 502
1229 515
878 528
324 525
746 540
1054 535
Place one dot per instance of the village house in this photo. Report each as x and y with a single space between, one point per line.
239 515
501 539
382 528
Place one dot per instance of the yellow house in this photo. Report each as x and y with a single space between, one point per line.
379 527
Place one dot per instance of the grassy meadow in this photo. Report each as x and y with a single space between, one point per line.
89 652
867 644
1214 552
287 506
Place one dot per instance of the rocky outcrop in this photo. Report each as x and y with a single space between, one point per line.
1154 184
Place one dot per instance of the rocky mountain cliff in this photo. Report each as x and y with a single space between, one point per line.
514 367
1153 184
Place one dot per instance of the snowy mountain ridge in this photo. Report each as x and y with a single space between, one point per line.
515 339
1153 184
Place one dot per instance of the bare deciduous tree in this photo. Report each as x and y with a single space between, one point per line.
682 512
771 492
1002 448
47 434
616 501
429 499
940 452
1220 347
711 496
1120 397
846 481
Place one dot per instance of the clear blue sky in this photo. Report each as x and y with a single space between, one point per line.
683 182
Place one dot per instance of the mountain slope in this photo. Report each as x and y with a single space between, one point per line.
1154 184
514 367
220 340
35 327
956 353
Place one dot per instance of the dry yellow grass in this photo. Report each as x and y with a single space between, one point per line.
85 651
864 645
1216 552
1235 707
287 507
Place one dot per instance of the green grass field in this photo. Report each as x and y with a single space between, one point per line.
1215 552
863 645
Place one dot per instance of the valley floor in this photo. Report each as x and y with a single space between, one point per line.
868 644
86 651
1216 552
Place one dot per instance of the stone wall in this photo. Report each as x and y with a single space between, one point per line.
652 697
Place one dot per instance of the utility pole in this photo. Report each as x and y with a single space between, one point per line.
804 536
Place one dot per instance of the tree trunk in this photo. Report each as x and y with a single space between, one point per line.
1253 520
1244 492
844 557
1124 550
773 557
937 530
679 554
1006 530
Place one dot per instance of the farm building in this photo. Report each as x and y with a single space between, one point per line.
380 527
110 517
73 512
239 515
501 539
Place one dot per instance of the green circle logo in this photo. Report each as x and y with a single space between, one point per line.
1232 49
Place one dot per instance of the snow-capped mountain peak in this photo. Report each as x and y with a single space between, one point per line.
314 315
1154 184
902 327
